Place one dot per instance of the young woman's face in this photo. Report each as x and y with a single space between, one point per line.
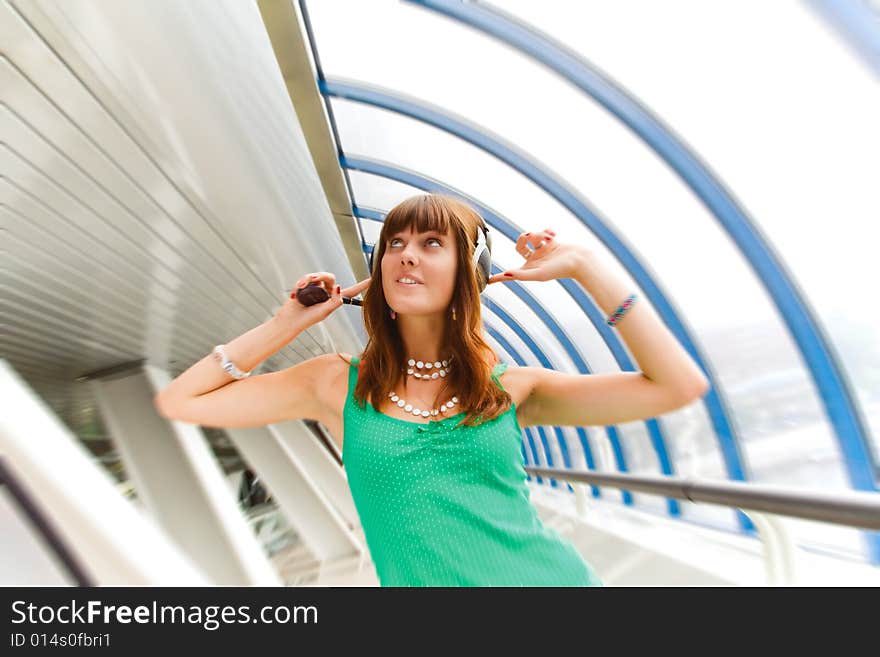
429 258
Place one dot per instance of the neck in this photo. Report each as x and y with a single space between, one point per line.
423 337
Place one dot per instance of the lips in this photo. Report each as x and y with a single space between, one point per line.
412 278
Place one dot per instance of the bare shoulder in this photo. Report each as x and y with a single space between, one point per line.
333 381
519 382
333 386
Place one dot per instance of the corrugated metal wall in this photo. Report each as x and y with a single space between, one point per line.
156 192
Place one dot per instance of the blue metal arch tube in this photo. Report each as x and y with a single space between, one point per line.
838 401
570 198
716 406
840 406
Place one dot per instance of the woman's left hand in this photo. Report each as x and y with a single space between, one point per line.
550 259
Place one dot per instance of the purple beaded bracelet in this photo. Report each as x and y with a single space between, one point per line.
621 310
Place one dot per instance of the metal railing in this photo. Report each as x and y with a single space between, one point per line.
852 508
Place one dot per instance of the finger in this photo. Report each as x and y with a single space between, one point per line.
499 278
503 277
522 246
325 278
357 288
535 240
328 280
308 278
543 238
519 275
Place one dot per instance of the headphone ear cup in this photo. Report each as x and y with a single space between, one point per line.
484 261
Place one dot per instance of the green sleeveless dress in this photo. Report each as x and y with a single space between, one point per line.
443 505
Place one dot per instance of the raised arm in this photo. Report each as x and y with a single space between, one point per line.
206 394
669 377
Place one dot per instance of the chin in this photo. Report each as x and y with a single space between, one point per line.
414 309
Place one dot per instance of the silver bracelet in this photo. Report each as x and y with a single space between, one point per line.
228 365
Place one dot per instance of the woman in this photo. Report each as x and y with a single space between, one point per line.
431 436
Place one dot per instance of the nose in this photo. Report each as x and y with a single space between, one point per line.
407 255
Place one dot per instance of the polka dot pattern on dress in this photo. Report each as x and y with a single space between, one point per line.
443 505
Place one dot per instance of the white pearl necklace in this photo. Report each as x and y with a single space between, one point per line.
415 411
436 365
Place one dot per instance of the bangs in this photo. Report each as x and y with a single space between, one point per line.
421 214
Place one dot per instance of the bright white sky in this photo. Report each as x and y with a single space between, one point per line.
764 92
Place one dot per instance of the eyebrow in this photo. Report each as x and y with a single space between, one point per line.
429 232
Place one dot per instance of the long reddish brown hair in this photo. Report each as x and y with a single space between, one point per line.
469 379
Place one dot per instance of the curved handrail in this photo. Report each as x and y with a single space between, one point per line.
851 508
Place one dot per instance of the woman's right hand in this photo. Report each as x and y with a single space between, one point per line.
293 313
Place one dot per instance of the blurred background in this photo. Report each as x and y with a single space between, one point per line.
170 168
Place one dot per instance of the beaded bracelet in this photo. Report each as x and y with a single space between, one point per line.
621 310
228 365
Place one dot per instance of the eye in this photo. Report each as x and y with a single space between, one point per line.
396 239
